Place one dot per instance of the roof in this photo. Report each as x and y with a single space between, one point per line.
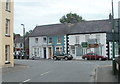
81 27
91 26
19 40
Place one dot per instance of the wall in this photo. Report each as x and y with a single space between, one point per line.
40 45
7 40
72 42
119 21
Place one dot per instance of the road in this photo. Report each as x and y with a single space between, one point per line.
53 71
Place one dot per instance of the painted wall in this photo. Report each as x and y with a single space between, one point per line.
55 44
119 9
40 44
83 38
5 39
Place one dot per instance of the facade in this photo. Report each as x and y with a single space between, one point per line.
75 39
81 44
19 46
45 40
93 36
119 9
45 46
6 33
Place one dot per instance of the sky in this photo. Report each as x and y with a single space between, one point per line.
32 13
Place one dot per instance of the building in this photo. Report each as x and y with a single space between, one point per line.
45 40
119 9
93 36
19 46
6 33
77 39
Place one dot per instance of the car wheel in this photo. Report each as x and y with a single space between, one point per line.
86 58
66 58
54 58
100 59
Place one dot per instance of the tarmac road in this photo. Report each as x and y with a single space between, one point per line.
52 71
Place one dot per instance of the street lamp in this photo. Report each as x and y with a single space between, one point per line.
23 38
113 43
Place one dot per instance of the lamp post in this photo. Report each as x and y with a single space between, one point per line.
23 38
113 43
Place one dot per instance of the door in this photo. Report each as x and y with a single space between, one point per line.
50 52
44 53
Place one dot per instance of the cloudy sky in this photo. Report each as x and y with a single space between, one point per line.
43 12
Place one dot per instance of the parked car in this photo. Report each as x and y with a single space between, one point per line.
61 55
93 56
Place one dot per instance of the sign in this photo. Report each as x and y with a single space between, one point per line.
84 44
93 45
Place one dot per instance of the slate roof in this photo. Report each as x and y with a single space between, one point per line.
81 27
91 26
19 40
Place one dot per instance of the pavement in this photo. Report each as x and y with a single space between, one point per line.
15 68
105 74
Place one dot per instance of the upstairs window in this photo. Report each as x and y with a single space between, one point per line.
36 40
58 40
44 40
77 39
7 30
50 40
8 5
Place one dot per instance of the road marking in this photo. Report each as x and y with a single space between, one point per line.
25 81
44 73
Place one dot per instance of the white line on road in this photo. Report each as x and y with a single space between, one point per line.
25 81
44 73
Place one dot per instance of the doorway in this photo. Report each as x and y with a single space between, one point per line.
50 52
44 52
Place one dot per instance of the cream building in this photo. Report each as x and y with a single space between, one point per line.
6 33
119 10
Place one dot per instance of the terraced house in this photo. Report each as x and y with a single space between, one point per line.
76 39
6 33
46 40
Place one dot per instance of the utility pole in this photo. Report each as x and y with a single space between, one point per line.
23 39
113 43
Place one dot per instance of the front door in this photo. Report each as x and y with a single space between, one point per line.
44 52
50 52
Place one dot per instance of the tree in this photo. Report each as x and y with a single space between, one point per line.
71 18
29 32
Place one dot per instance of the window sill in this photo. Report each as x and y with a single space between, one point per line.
7 35
8 10
7 62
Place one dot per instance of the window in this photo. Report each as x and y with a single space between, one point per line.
21 45
98 38
77 39
86 38
36 52
15 45
50 40
7 54
59 49
8 5
44 40
36 40
58 40
7 31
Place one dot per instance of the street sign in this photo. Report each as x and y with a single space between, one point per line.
84 44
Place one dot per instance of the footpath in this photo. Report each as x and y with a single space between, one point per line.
105 74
